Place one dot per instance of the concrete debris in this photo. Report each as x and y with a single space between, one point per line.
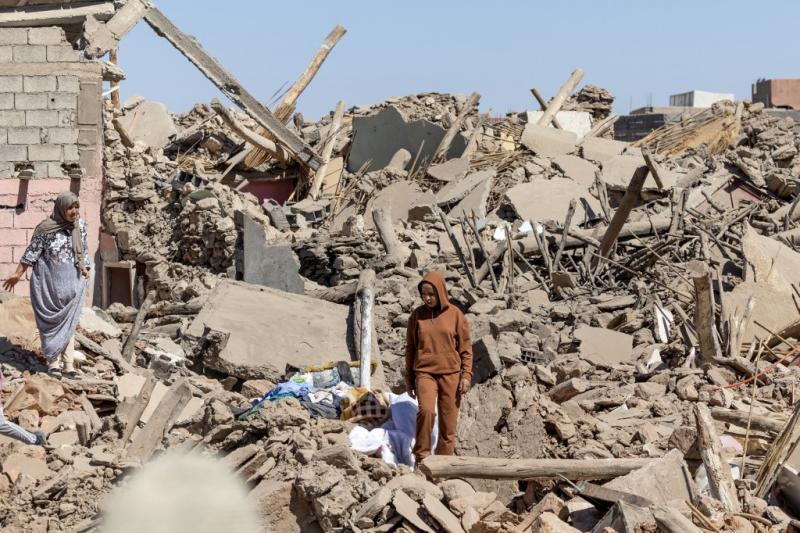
548 200
604 347
548 142
149 123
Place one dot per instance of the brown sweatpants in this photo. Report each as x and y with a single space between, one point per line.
433 390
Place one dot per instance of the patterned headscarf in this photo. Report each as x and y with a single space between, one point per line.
58 222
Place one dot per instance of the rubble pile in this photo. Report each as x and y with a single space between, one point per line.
596 100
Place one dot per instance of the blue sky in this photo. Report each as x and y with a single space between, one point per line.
642 51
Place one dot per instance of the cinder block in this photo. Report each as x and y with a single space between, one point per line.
7 171
40 170
45 152
30 54
39 84
13 237
68 84
10 84
5 252
62 135
10 152
3 136
6 100
26 101
13 36
71 154
28 219
24 136
62 54
63 101
41 118
55 170
47 35
5 54
67 117
11 119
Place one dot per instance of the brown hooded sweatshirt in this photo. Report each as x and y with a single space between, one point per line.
438 341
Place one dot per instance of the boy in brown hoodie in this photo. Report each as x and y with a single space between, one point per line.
438 364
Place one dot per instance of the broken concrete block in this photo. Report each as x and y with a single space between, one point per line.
604 347
770 262
273 266
256 388
18 464
478 501
550 523
582 514
409 509
577 122
474 202
397 199
93 324
600 150
548 200
150 123
661 481
773 308
379 137
578 170
486 359
270 329
548 142
618 171
456 488
449 171
447 520
415 486
457 190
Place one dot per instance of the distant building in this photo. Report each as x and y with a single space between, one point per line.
783 94
698 99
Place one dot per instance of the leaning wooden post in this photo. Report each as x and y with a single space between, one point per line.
718 471
327 150
655 170
704 312
366 295
130 342
560 97
441 151
543 105
621 215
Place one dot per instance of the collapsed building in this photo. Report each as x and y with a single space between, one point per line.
633 305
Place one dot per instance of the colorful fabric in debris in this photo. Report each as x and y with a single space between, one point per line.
363 405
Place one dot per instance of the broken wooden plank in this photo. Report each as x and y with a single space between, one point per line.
655 170
457 246
130 342
718 471
560 97
366 298
88 408
267 145
333 136
543 105
704 322
148 439
230 87
132 412
444 145
782 448
443 466
757 422
121 364
671 520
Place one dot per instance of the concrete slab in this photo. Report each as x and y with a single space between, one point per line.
397 199
333 173
544 200
600 150
273 266
151 123
93 324
773 308
604 347
618 171
270 329
457 190
577 169
19 463
577 122
770 261
451 170
379 137
548 142
661 481
474 201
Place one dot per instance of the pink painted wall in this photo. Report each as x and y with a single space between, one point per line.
277 190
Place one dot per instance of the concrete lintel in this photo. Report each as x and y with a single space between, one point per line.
88 70
29 16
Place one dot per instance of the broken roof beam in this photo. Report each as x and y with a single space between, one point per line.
558 100
101 38
285 109
55 16
247 134
230 87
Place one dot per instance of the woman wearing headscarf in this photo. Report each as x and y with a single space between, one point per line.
438 365
60 270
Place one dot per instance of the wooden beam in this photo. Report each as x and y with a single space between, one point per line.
441 151
230 87
285 109
333 136
366 299
121 364
148 439
655 170
130 342
450 466
247 134
621 215
133 411
671 520
740 418
30 16
560 97
718 471
543 106
704 322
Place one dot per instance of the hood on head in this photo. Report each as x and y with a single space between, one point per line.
437 280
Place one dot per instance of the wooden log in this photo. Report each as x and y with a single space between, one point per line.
568 389
124 136
366 298
249 135
130 342
655 170
161 309
543 106
782 448
133 412
121 364
441 151
255 157
704 322
599 128
757 422
327 150
148 439
560 97
670 520
450 466
113 58
627 204
457 247
230 87
718 471
88 408
396 253
84 433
